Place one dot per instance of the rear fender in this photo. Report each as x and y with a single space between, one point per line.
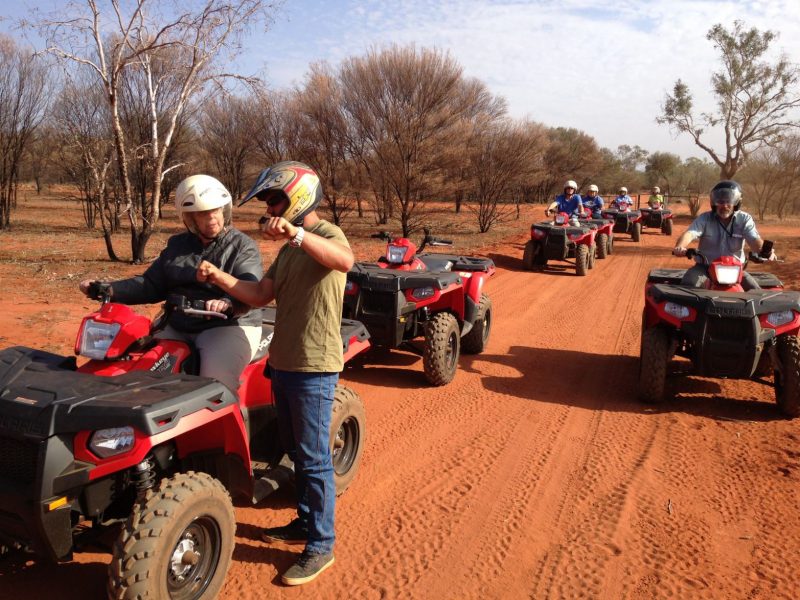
474 286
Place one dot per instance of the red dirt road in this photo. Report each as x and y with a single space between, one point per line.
536 473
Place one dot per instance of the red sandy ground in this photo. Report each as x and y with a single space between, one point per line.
535 474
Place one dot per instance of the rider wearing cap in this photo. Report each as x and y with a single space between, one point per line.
722 231
592 202
307 281
569 202
225 346
622 201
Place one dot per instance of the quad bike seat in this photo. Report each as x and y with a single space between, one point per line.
369 276
674 276
350 329
454 262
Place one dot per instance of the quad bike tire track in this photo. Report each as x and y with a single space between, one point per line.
536 473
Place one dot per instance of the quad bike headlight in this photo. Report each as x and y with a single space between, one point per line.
776 319
423 292
676 310
395 254
96 339
728 274
110 442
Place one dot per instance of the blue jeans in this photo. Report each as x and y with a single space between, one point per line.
304 403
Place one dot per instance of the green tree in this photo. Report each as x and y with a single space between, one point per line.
755 98
660 169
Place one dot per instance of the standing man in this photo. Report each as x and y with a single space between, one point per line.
722 231
307 282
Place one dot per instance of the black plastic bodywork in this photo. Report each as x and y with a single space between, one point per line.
655 217
726 338
623 220
381 303
42 407
556 243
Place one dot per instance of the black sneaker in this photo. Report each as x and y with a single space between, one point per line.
295 532
307 567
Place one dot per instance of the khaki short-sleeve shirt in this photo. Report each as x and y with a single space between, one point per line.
309 301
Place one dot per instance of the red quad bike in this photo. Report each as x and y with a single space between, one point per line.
604 236
657 217
724 331
561 240
625 221
408 294
132 444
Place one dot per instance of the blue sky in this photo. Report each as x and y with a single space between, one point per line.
602 67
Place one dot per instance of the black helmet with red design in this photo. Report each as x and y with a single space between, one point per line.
291 180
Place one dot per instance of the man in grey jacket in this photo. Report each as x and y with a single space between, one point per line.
226 346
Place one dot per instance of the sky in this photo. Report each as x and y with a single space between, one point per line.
603 67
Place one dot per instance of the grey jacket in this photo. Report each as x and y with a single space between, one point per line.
175 272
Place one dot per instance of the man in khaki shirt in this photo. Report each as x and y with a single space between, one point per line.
307 282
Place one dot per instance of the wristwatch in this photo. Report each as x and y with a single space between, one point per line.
297 238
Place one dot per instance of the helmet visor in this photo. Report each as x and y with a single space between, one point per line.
725 196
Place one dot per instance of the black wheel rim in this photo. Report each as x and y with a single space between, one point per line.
194 559
487 325
452 351
345 445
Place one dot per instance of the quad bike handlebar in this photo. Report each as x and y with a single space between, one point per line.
427 239
761 257
100 290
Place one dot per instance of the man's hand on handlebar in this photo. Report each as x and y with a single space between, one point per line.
220 305
679 251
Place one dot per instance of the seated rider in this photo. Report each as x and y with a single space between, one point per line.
225 346
656 200
593 203
569 202
722 231
622 201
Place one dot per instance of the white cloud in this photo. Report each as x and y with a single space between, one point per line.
603 67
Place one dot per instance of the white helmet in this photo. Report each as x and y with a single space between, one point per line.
623 190
197 193
594 188
656 189
571 184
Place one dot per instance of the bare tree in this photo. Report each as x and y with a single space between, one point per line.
569 154
226 139
403 103
755 98
86 149
145 40
24 86
270 125
501 155
322 136
772 177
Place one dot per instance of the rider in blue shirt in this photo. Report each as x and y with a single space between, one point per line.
622 200
569 202
592 202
